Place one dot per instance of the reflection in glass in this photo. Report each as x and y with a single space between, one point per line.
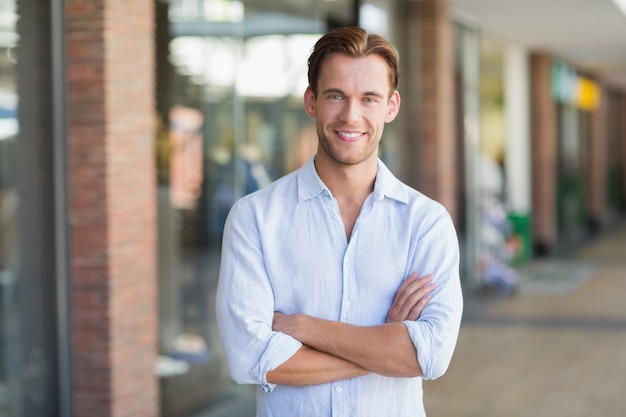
9 205
231 120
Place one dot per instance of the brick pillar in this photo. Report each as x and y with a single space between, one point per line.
112 193
598 159
543 154
424 37
436 161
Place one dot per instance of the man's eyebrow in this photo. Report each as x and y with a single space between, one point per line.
333 91
373 94
366 94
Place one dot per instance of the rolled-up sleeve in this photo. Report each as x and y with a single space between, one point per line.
245 304
435 333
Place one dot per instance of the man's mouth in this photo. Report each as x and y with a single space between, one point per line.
350 136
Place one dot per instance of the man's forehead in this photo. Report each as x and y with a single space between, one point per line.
368 70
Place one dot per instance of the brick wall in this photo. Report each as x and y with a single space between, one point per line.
436 161
112 193
543 154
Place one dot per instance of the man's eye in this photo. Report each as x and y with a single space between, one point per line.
369 100
335 97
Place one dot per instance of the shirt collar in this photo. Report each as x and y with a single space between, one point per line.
386 184
309 183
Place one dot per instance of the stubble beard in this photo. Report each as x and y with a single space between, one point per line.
336 156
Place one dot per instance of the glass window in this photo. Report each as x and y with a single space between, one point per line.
9 203
230 80
28 353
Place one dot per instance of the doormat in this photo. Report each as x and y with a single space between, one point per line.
554 276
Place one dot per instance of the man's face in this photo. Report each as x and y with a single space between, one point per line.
351 107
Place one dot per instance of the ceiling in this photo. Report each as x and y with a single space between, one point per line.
589 33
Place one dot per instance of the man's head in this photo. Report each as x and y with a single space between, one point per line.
352 95
353 42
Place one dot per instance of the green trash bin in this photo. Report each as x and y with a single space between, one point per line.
522 236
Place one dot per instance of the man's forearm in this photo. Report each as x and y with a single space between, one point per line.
311 367
385 349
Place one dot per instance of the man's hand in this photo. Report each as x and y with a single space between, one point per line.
284 323
411 298
385 349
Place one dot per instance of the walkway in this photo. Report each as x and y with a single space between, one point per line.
555 349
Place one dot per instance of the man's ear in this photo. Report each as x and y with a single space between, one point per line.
309 102
393 107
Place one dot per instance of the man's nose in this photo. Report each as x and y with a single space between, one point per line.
351 112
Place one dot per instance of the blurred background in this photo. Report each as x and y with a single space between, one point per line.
129 128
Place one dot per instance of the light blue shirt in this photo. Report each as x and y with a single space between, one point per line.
285 249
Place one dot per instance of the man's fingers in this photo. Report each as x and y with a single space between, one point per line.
417 309
410 281
412 285
411 298
416 300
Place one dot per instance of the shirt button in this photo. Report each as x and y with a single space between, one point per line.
339 389
347 304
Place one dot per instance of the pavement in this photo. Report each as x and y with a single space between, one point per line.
554 348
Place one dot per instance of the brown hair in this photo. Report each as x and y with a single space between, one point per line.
354 42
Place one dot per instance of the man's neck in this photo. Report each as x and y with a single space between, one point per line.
350 185
348 182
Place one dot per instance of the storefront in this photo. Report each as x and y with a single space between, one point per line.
499 171
576 98
230 80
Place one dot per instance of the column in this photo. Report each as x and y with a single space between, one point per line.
517 155
543 155
424 36
112 198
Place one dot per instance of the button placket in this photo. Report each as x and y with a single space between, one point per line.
338 400
348 280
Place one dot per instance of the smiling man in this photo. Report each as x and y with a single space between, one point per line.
339 286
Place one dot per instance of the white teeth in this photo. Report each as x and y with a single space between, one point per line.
350 135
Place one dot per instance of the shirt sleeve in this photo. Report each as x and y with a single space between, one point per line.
245 304
436 331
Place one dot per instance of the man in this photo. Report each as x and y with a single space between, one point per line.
313 304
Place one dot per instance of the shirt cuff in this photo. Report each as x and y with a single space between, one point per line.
280 348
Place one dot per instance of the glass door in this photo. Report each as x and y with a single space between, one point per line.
28 336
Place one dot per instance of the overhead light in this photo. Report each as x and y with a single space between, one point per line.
621 4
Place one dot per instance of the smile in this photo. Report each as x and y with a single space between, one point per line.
350 135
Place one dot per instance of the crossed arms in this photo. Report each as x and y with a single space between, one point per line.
334 350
